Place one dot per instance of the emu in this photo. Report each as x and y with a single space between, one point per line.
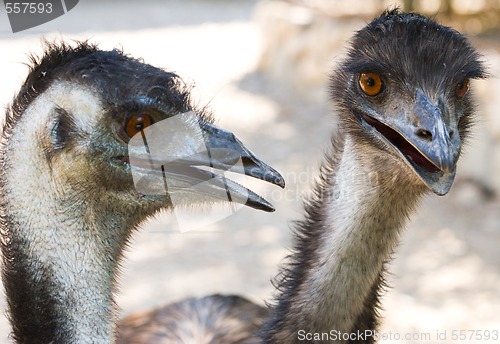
404 112
68 201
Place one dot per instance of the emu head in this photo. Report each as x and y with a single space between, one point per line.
71 127
403 92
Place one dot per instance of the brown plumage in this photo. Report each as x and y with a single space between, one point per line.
212 319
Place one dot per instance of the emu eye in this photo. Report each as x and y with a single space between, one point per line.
461 88
371 84
137 123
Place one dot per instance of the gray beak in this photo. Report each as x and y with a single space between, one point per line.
225 151
188 160
428 144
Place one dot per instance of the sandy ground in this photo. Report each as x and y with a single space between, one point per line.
446 273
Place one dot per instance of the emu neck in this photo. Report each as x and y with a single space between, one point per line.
351 228
60 275
61 239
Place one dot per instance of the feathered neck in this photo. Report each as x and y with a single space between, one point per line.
61 240
332 279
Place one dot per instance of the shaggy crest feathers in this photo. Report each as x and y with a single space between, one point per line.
84 62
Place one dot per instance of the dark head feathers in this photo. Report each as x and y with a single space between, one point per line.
115 76
413 48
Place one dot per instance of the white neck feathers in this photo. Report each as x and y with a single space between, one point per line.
59 240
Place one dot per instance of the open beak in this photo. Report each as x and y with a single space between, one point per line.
191 162
429 145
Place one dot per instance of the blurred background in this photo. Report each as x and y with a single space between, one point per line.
263 68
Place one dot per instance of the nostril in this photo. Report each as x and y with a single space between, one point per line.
424 134
451 133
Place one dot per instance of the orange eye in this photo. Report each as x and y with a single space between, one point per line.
137 123
371 84
462 88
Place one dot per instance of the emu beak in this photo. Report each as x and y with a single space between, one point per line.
429 145
190 163
225 150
